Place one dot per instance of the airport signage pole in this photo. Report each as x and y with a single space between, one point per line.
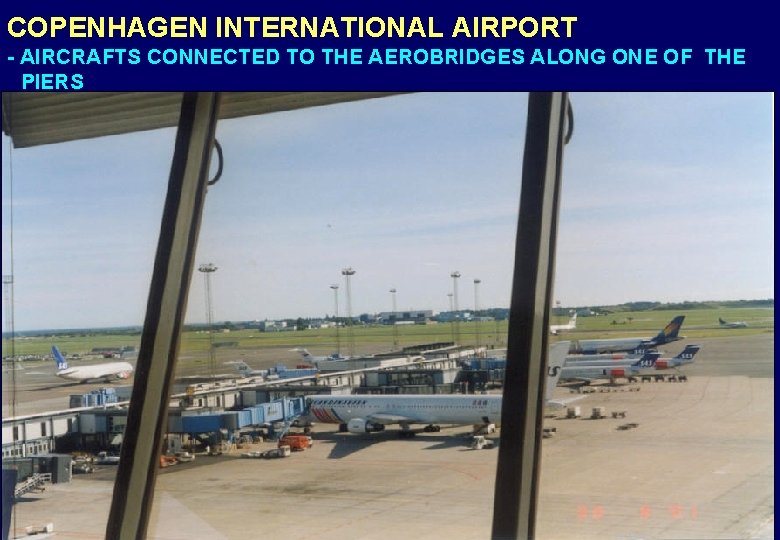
517 473
147 417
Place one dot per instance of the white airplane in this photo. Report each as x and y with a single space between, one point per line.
371 413
738 324
245 371
572 325
311 359
97 372
597 346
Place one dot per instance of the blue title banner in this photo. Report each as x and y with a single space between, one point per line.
392 46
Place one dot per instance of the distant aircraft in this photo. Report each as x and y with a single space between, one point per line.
371 413
738 324
97 372
245 371
610 371
555 328
685 357
597 346
308 357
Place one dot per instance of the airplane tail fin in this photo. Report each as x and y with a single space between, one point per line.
573 321
306 354
648 359
555 361
58 358
687 354
670 331
721 321
241 366
642 348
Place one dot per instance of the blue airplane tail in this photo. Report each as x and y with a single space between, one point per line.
670 331
687 353
648 359
642 348
58 358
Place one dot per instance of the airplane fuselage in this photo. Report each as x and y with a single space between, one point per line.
407 409
599 372
613 360
108 371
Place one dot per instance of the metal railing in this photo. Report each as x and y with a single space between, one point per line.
32 483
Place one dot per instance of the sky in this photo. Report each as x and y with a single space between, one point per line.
666 197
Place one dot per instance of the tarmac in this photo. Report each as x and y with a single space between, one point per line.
699 464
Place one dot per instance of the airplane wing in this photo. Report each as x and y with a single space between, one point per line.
385 418
560 403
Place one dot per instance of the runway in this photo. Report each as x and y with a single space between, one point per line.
698 465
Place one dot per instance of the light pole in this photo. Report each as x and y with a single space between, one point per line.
8 298
476 306
455 275
395 326
207 270
452 318
348 273
335 288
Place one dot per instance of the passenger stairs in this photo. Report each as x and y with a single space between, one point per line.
33 483
285 428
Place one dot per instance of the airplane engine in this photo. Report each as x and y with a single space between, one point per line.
618 373
662 364
358 425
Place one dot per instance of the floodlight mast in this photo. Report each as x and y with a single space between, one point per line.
207 269
395 326
455 275
348 273
476 307
452 318
335 288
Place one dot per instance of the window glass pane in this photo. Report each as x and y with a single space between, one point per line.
80 227
666 210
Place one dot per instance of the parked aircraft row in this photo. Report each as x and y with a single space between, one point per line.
370 413
629 358
598 346
585 367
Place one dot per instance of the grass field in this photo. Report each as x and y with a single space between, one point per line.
698 323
